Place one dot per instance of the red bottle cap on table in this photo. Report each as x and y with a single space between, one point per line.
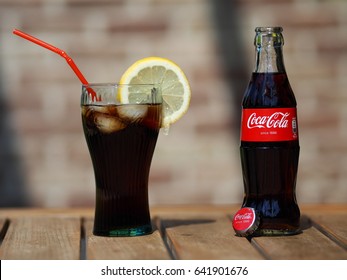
246 221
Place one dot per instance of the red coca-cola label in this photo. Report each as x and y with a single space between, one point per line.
269 124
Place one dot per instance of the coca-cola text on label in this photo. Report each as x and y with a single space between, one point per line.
270 124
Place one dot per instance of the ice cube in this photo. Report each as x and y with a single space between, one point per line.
88 111
132 113
107 123
100 109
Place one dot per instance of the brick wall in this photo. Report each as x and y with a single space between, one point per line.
44 158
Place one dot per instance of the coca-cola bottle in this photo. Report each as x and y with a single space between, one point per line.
269 139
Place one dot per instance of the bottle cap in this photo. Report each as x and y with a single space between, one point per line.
246 221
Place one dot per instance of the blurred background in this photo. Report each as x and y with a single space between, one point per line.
44 159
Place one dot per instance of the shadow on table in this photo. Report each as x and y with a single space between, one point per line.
305 222
170 223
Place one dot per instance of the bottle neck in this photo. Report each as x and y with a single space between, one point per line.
268 44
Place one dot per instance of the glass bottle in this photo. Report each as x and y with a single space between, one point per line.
269 139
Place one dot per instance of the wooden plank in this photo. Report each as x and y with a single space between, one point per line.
39 238
3 228
45 212
334 226
323 208
193 209
191 232
310 245
207 236
147 247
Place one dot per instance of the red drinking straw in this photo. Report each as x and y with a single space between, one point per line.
58 51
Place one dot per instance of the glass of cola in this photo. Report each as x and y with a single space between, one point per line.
121 135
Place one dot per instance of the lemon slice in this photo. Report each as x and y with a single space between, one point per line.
175 89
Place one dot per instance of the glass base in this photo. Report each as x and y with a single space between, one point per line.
125 232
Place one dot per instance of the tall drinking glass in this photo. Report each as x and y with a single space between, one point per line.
121 138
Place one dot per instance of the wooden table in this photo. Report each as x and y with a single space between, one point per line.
181 232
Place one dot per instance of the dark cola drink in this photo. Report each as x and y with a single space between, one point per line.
121 141
269 140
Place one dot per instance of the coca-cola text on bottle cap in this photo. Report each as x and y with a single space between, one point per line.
245 221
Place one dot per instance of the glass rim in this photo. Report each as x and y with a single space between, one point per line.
105 93
118 84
